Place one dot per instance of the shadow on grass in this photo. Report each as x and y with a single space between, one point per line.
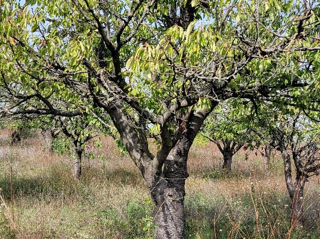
220 173
111 176
124 177
57 182
51 184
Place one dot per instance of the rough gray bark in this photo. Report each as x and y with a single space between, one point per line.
169 191
48 136
295 190
288 173
165 173
227 160
267 153
76 130
304 153
115 41
297 202
77 164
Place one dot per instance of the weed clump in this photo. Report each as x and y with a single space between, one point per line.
6 232
135 221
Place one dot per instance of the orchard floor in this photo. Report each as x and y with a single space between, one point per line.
40 199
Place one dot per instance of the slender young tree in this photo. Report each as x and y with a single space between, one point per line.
164 64
229 128
78 130
295 136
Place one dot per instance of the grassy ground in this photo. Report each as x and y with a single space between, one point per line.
40 199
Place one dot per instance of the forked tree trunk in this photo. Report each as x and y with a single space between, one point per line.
227 160
168 194
228 149
166 172
168 190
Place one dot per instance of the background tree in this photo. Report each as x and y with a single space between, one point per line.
166 64
21 127
296 137
229 128
79 131
266 150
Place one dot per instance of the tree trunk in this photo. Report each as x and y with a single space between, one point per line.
297 203
16 137
295 191
168 194
288 174
77 167
47 137
267 157
267 162
165 173
227 160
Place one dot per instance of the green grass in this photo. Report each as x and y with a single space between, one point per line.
250 215
112 201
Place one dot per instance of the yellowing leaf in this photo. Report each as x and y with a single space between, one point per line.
189 29
195 3
12 41
238 18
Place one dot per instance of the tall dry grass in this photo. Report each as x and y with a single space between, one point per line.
40 198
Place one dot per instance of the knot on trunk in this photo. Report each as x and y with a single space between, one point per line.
171 195
157 190
175 170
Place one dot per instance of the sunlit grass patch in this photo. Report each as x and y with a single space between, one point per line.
111 200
